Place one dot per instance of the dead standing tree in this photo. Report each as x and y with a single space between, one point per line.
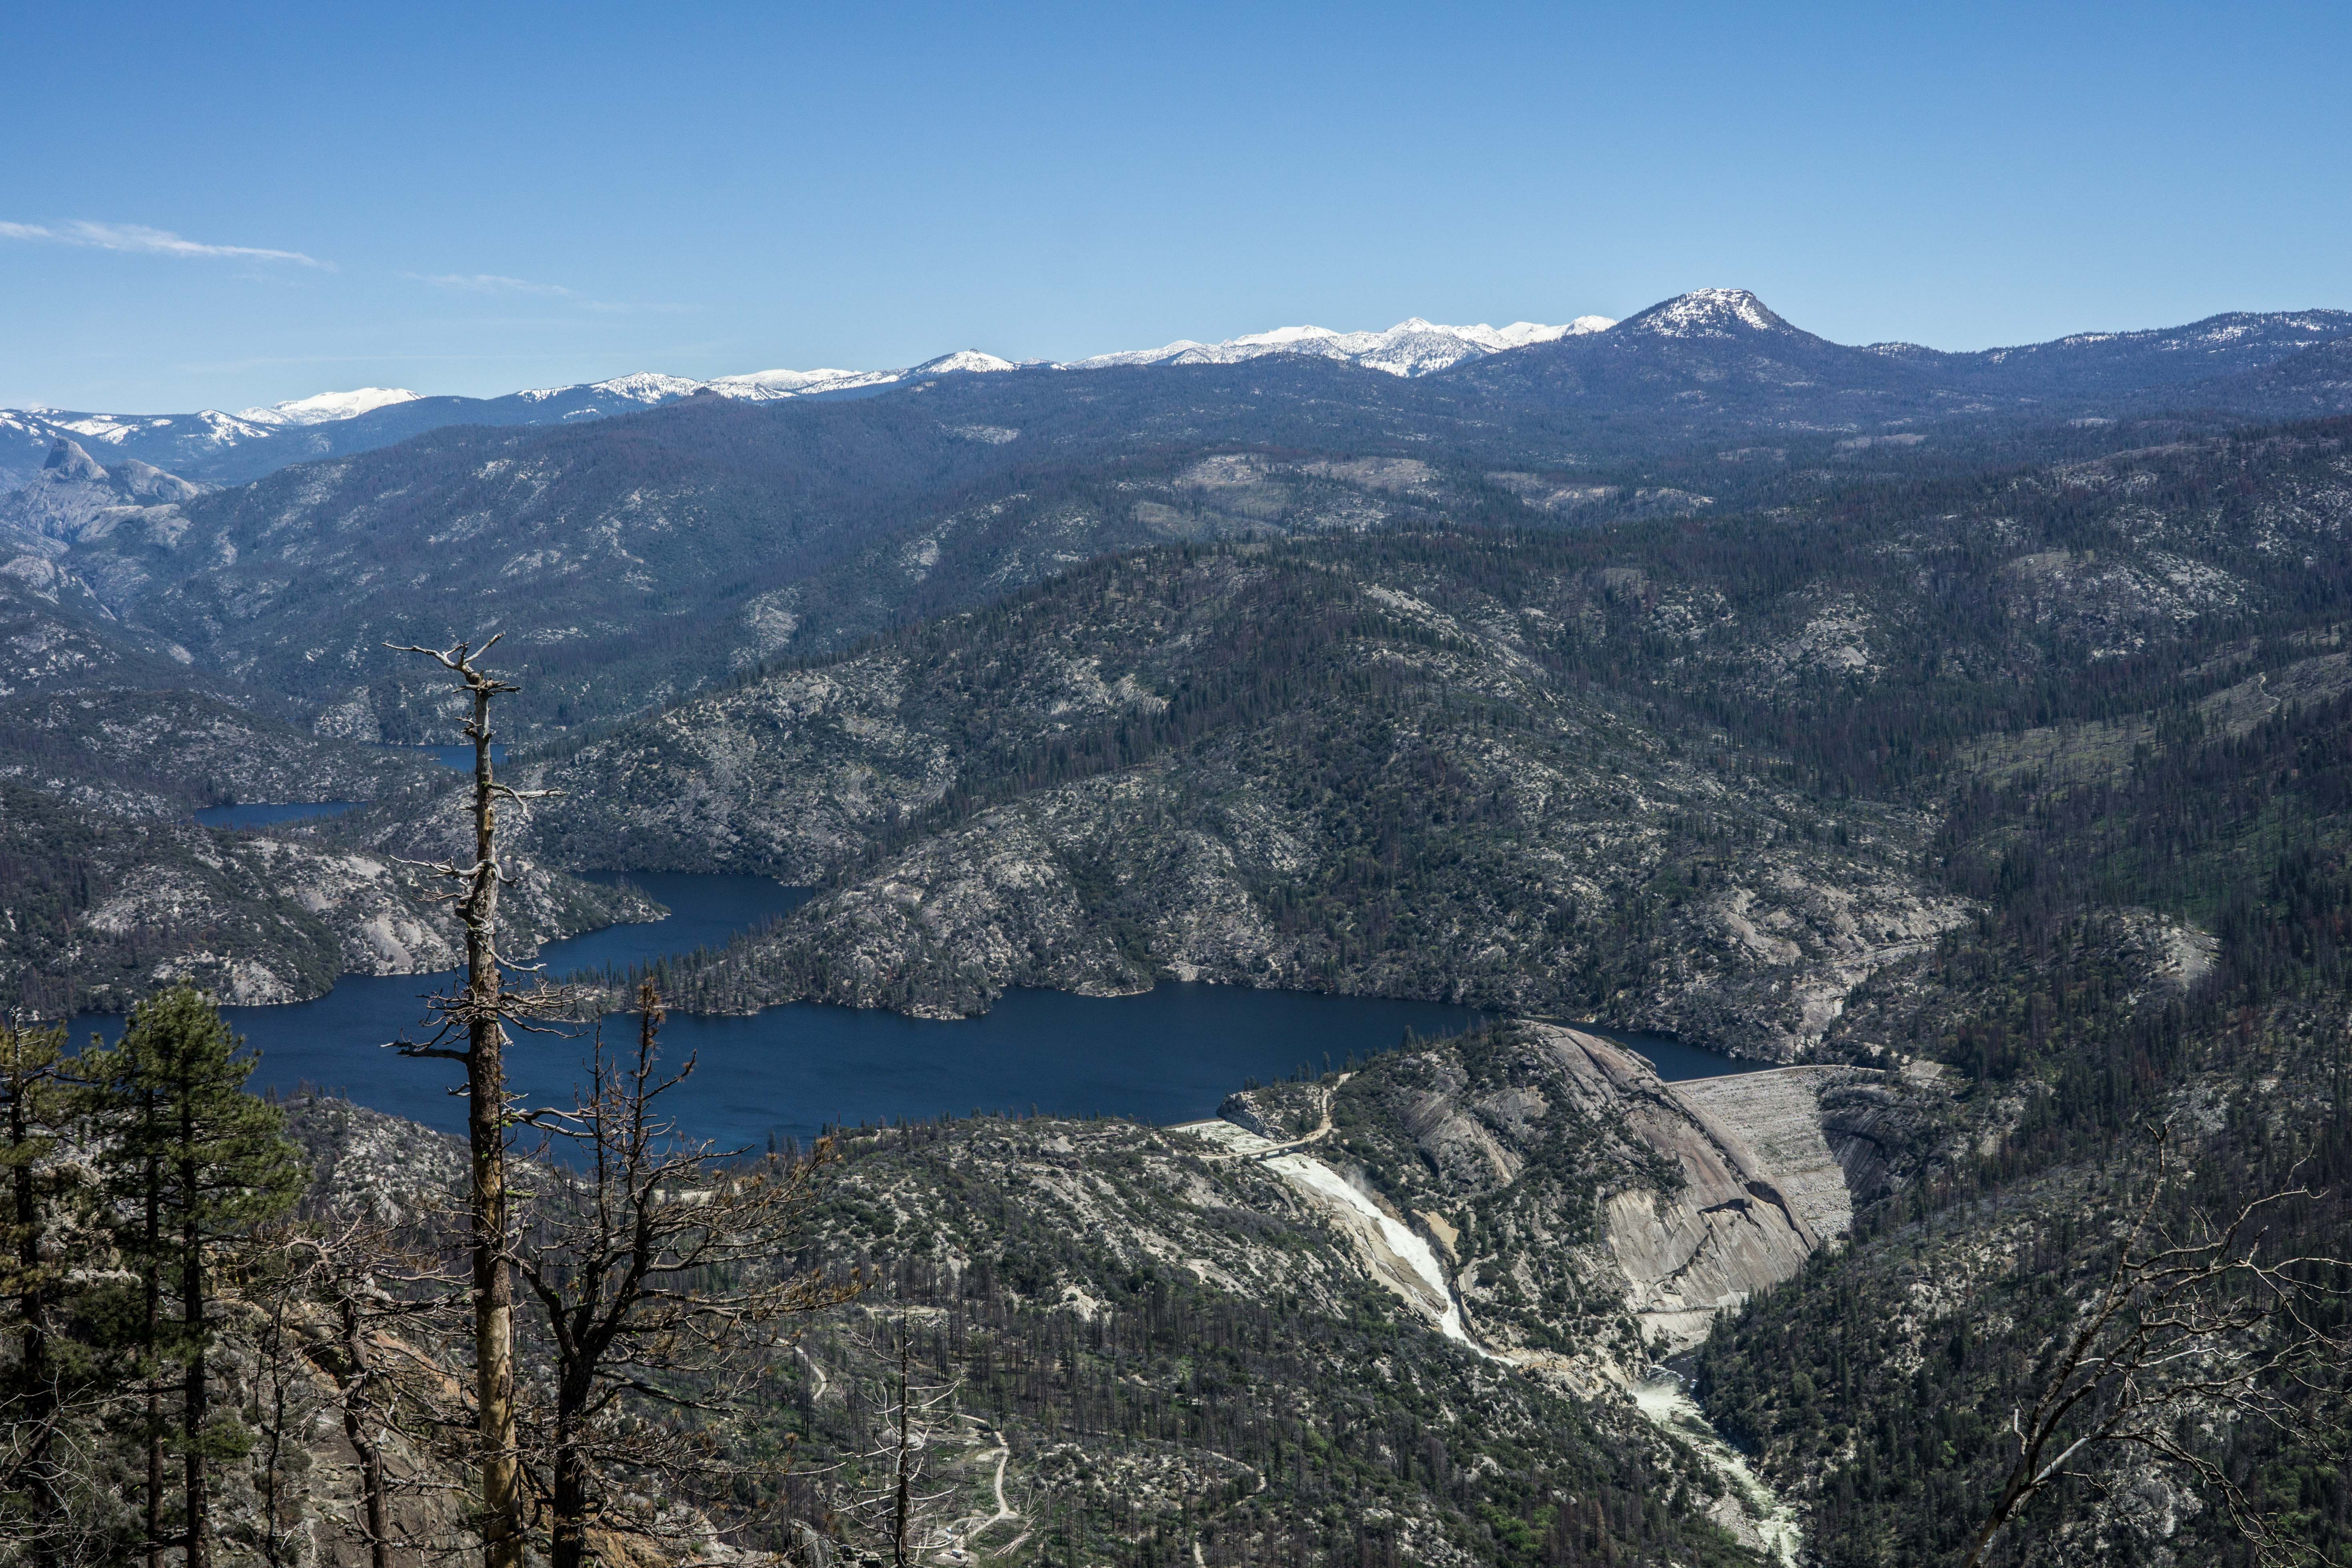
388 1304
891 1502
659 1266
2197 1325
479 1014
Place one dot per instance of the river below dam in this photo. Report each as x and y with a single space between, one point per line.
1168 1055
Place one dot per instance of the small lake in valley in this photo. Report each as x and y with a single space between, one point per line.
1168 1055
264 813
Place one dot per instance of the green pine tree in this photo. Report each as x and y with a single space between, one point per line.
194 1164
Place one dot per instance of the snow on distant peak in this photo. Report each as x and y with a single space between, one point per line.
962 358
1411 347
1706 313
1519 334
1160 355
1286 337
208 426
327 407
646 386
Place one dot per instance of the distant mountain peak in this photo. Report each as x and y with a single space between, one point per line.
1706 313
971 360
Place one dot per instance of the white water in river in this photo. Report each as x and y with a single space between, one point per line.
1398 1257
1665 1400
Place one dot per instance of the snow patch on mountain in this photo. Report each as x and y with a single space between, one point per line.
645 386
209 426
328 406
1412 347
765 385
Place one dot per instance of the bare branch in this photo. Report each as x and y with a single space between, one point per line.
2176 1328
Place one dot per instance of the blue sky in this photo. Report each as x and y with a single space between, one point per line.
479 198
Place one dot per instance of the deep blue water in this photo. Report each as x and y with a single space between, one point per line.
460 757
1170 1055
1677 1061
263 815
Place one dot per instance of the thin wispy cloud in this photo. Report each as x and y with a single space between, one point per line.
139 239
493 283
497 284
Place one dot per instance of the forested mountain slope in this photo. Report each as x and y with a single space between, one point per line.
2081 1012
2159 363
1326 768
1675 774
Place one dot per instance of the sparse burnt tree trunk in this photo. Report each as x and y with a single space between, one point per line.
360 1428
479 1014
893 1504
151 1282
903 1483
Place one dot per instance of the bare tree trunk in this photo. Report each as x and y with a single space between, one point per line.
653 1296
905 1480
358 1427
568 1540
486 1122
483 1009
274 1360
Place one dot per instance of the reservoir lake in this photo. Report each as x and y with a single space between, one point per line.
1168 1055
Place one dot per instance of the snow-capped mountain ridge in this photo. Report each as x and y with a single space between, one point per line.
1522 359
1411 347
970 361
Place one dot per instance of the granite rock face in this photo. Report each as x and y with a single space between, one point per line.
1592 1212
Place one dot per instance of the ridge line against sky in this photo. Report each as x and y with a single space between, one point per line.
262 204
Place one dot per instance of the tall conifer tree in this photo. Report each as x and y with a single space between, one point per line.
194 1163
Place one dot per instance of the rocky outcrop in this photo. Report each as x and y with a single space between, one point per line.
382 1169
1742 1203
